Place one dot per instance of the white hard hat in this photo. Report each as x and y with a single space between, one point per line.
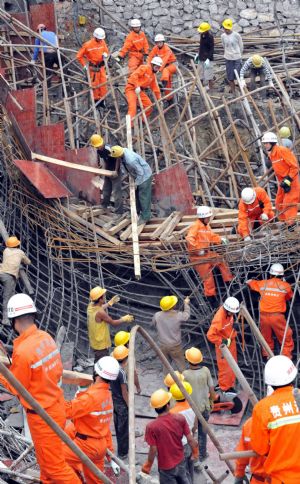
277 269
248 195
20 304
232 305
107 367
269 138
159 38
279 371
99 33
135 22
157 61
203 211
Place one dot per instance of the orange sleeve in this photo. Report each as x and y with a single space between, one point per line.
109 441
126 46
260 438
168 57
191 237
213 334
243 226
79 406
20 368
80 55
264 197
289 293
291 161
241 464
215 238
135 77
254 285
152 54
146 46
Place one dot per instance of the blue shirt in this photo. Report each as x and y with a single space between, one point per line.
136 166
50 37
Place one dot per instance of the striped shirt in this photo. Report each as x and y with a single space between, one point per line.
249 65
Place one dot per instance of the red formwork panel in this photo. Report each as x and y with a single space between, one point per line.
80 182
42 179
50 141
26 118
172 191
43 14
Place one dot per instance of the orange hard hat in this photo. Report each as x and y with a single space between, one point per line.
168 381
160 398
12 242
194 356
120 352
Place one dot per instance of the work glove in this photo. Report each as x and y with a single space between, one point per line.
137 90
128 318
113 300
247 239
207 63
196 59
115 468
226 341
105 55
32 62
187 300
286 184
116 56
146 467
264 217
201 252
243 84
241 480
224 241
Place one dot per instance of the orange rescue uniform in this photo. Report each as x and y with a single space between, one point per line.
199 238
256 463
274 294
248 213
145 78
91 412
136 45
168 69
275 434
222 328
285 164
36 363
92 51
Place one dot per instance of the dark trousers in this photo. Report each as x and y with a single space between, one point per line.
177 475
50 59
113 186
189 463
202 436
143 199
121 427
8 282
100 353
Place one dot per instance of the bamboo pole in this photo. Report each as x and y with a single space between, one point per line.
244 311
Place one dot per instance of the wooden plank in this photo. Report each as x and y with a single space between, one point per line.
120 226
74 166
161 227
172 224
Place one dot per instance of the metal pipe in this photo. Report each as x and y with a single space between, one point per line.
236 370
21 390
255 330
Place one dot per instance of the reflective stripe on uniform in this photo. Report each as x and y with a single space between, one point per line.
105 412
45 359
274 289
281 422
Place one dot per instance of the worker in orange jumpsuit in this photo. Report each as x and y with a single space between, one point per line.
199 239
144 77
274 293
255 206
91 413
223 331
135 45
36 363
256 464
91 56
286 168
168 68
276 424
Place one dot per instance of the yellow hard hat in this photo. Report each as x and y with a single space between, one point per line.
285 132
204 27
120 352
168 302
160 398
116 151
227 24
194 356
96 293
121 338
257 60
12 242
168 381
177 393
96 140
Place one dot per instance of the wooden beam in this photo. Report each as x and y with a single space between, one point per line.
74 166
